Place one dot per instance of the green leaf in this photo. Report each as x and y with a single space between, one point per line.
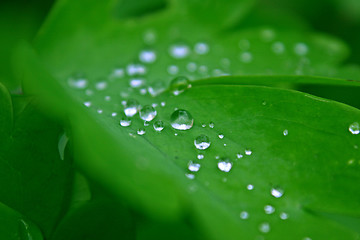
34 179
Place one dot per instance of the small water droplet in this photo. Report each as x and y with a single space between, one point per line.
248 152
179 51
179 85
193 167
89 92
191 67
149 37
190 175
211 125
277 192
246 57
147 56
107 98
78 81
125 122
284 216
278 48
203 69
101 85
221 136
131 107
202 142
225 165
114 114
156 88
141 131
136 82
181 120
301 49
238 155
354 128
264 227
117 73
143 91
173 69
201 48
200 156
146 123
285 132
244 215
87 104
147 113
163 104
159 125
269 209
99 111
135 69
250 187
203 125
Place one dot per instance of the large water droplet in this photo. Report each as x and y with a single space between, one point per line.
125 122
131 107
148 113
181 120
225 165
193 167
354 128
159 125
277 192
202 142
179 85
179 51
147 56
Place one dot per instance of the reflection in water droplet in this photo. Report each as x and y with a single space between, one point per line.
87 104
225 165
269 209
179 51
193 167
264 227
131 107
246 57
200 156
354 128
284 216
179 85
78 82
244 215
202 142
248 152
147 56
181 120
250 187
285 132
211 125
136 82
147 113
221 136
301 49
125 122
101 85
141 131
201 48
278 47
277 192
135 69
190 175
159 125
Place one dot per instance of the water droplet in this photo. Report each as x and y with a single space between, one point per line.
285 132
191 67
225 165
147 113
278 47
163 104
135 69
147 56
238 155
202 142
179 85
284 216
125 122
190 175
141 131
193 167
301 49
203 69
89 92
143 91
277 192
118 73
264 227
269 209
107 98
136 82
211 125
99 111
246 57
221 136
173 69
200 156
87 104
201 48
146 123
101 85
131 107
179 51
156 88
267 35
181 120
203 125
78 82
244 215
250 187
114 114
354 128
248 152
149 37
159 125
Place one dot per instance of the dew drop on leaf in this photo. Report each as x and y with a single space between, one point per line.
244 215
285 132
147 56
200 156
135 69
190 175
354 128
194 167
246 57
250 187
284 216
181 120
173 69
191 67
211 125
248 152
269 209
156 88
202 142
78 82
264 227
131 107
179 85
179 51
87 104
125 122
278 48
136 82
201 48
301 49
147 113
141 131
277 192
101 85
158 125
225 165
221 136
